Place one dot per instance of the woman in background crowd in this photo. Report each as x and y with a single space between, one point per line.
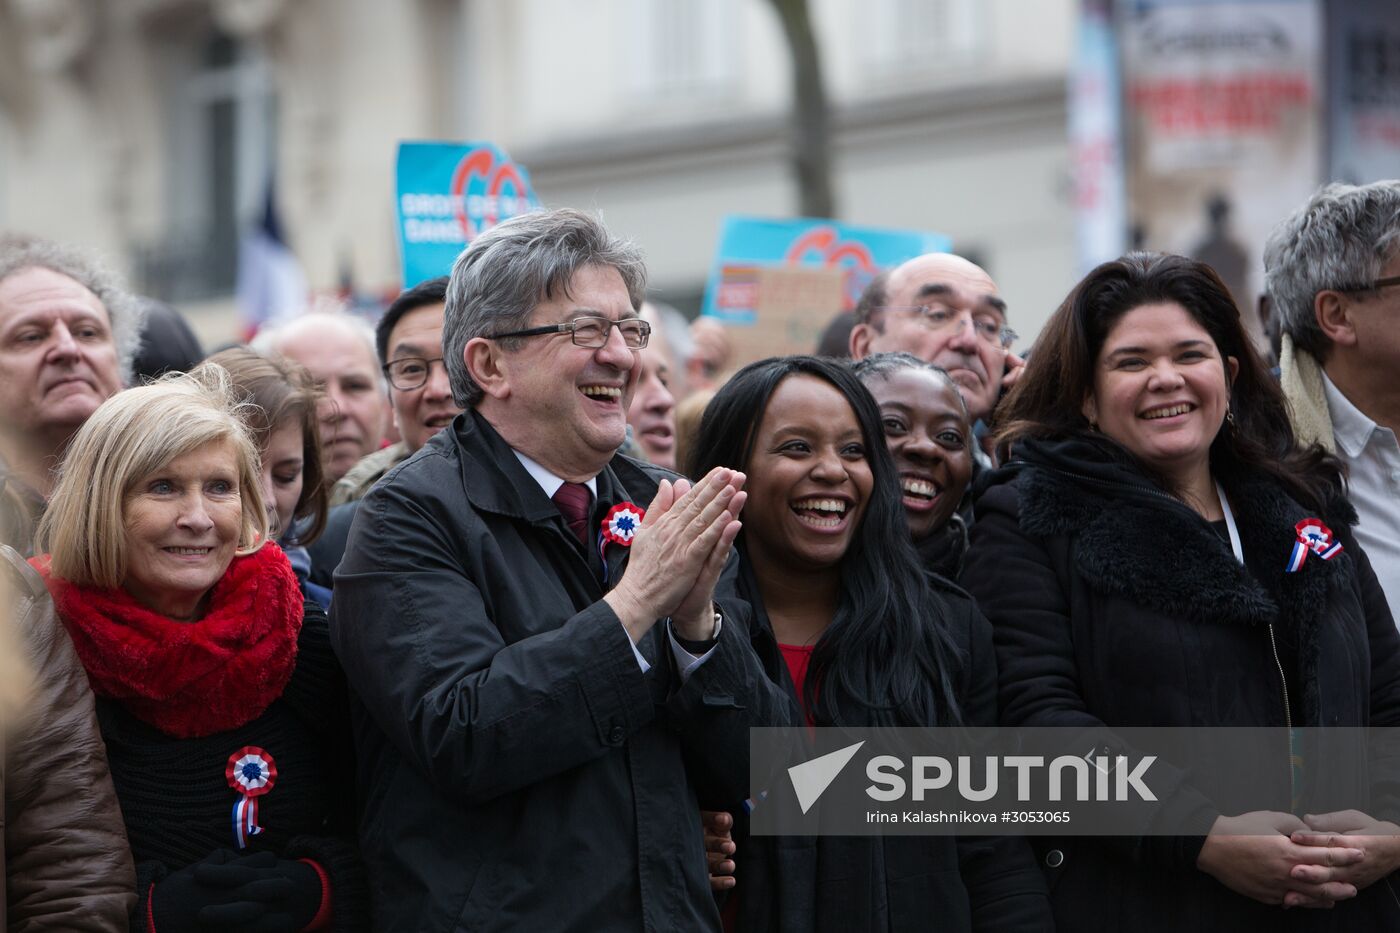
220 701
845 617
281 416
1136 564
929 433
66 862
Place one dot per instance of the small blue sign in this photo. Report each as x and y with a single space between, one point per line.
447 194
753 241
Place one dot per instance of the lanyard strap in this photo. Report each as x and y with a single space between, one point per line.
1230 525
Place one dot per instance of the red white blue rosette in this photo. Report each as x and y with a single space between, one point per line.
1314 537
621 523
251 772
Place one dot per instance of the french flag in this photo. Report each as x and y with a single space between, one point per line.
271 284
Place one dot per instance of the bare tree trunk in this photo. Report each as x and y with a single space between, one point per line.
811 123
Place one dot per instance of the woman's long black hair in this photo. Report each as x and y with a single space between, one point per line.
885 651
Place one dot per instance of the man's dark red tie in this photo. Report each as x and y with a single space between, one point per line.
573 500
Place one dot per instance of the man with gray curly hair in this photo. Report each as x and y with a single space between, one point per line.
1332 272
68 333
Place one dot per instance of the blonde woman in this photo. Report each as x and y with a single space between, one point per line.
218 696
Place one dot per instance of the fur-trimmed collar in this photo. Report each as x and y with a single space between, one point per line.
1160 554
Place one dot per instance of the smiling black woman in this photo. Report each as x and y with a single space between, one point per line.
837 590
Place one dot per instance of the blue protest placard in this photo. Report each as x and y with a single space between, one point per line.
447 194
750 243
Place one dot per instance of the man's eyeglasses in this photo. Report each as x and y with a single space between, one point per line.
409 372
941 320
591 332
1375 286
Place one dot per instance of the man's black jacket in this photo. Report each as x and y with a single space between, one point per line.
518 770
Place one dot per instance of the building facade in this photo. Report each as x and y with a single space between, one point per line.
150 129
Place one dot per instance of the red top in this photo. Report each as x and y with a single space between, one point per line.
797 658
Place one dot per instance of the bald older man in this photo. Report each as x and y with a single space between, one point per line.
339 352
68 332
946 311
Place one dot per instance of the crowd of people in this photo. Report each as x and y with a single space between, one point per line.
462 622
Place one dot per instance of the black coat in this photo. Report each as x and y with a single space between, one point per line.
1113 604
176 801
520 771
327 550
850 884
943 552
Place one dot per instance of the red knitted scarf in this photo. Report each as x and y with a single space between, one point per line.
190 679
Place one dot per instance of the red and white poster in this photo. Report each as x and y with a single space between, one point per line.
1223 115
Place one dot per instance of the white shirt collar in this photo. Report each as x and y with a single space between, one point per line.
1350 425
547 480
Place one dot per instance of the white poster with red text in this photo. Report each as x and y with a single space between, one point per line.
1223 115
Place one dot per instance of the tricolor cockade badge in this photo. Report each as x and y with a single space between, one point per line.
621 524
1315 537
251 772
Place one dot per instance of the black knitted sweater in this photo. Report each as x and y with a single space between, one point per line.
178 807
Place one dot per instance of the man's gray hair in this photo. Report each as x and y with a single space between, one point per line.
125 312
1340 239
270 339
499 279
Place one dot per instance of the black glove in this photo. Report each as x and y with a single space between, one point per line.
227 891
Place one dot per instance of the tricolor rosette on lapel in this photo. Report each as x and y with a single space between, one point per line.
251 772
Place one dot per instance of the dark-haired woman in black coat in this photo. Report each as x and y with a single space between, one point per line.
1133 557
846 619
